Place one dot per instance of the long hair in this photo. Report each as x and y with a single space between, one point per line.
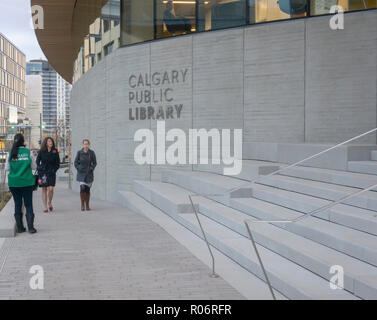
19 141
44 144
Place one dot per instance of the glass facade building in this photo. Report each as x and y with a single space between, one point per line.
55 95
12 85
127 22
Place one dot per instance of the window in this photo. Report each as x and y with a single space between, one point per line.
106 25
109 48
220 14
137 21
175 18
271 10
318 7
125 22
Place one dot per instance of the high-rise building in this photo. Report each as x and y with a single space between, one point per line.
34 107
55 96
12 87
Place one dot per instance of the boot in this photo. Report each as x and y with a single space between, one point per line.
30 223
87 201
19 223
82 197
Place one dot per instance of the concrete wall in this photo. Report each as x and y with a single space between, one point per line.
340 78
287 82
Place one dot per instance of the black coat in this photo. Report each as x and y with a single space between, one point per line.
48 162
85 164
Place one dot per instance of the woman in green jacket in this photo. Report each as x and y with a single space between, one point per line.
21 181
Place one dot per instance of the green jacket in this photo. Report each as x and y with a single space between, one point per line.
20 172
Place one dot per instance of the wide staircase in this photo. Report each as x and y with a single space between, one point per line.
297 256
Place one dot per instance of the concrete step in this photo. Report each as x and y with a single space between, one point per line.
367 285
349 216
207 183
358 244
355 243
350 179
368 167
204 182
136 203
367 200
251 169
374 155
304 252
290 279
235 249
246 283
167 197
336 159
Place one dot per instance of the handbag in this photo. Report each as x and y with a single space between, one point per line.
42 181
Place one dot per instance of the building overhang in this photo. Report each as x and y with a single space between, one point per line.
65 24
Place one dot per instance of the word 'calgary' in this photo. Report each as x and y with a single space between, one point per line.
158 78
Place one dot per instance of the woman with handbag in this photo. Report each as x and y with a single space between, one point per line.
20 164
85 163
48 163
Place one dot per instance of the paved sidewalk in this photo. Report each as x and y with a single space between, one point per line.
107 253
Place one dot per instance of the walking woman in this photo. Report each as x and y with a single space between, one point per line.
48 162
85 164
20 164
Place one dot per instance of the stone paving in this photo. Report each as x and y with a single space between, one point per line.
107 253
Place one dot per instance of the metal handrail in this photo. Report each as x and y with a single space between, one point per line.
331 204
302 217
213 275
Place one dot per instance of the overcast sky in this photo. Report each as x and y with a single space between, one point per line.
15 24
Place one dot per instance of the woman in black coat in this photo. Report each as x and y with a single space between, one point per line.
85 164
48 162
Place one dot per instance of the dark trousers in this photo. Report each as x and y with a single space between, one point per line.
84 189
23 194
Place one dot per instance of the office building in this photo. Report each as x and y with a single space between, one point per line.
55 96
34 103
12 87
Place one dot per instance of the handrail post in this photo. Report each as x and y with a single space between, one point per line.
260 261
213 275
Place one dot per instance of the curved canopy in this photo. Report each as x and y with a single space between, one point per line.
66 23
